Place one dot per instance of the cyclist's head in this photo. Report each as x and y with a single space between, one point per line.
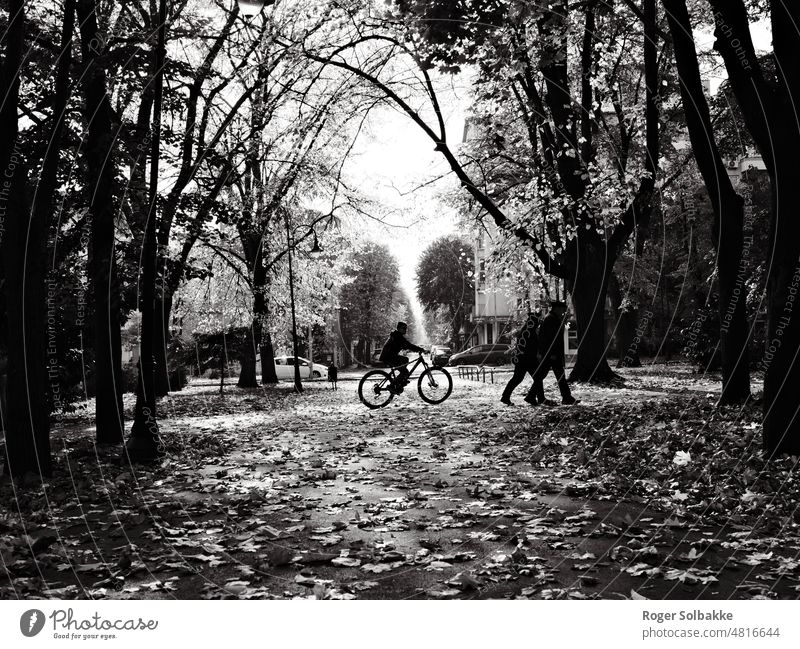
402 327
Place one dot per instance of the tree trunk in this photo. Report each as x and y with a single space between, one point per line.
625 330
163 313
588 294
102 264
728 208
261 334
733 272
268 374
222 369
628 339
782 378
782 356
248 377
27 426
144 444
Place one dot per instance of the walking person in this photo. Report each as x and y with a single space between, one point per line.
333 375
525 358
551 350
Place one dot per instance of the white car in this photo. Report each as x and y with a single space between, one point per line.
284 368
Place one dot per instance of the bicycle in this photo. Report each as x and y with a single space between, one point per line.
378 387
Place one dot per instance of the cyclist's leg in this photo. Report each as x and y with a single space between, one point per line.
400 362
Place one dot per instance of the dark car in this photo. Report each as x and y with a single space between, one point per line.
440 354
493 354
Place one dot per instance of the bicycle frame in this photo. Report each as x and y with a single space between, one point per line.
375 382
420 360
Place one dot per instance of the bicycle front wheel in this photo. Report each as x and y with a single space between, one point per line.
435 385
373 389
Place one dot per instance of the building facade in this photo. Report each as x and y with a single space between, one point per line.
505 295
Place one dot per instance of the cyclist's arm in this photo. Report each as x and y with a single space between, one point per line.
407 344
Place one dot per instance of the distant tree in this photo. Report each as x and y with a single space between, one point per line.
445 279
402 310
437 324
214 310
367 303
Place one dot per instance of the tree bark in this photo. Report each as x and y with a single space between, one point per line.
782 377
248 377
782 356
268 373
261 334
588 290
102 264
144 444
627 342
727 206
627 321
27 426
163 314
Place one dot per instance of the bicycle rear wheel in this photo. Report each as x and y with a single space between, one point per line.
373 389
435 385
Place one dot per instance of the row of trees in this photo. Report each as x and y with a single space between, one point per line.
137 140
349 296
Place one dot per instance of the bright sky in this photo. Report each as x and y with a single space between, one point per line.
762 38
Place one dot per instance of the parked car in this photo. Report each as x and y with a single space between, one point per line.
494 354
284 368
440 354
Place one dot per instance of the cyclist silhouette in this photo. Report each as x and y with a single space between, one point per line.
390 354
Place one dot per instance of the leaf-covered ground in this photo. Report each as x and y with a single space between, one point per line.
641 491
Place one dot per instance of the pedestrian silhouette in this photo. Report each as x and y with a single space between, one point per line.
525 357
333 376
551 349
